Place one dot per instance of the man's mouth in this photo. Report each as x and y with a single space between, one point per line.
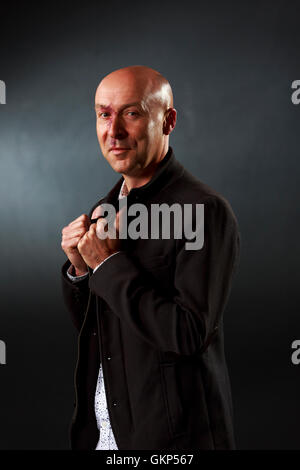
118 150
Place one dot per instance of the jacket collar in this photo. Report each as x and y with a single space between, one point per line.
167 171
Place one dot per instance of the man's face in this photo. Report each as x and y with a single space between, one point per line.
129 124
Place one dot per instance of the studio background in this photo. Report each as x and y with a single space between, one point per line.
231 65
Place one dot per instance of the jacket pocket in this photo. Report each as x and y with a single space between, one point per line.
173 398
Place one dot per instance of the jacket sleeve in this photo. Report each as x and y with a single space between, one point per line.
75 295
181 323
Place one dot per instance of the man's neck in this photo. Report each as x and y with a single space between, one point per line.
144 177
136 182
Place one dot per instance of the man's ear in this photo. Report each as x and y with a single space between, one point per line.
169 121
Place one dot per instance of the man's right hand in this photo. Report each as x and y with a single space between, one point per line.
71 234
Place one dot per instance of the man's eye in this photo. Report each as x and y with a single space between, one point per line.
132 113
104 115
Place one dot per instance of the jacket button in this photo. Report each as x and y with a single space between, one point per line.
109 358
94 333
114 403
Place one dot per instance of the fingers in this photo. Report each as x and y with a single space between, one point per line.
104 229
97 212
70 243
83 221
69 235
120 219
89 235
117 222
101 229
76 228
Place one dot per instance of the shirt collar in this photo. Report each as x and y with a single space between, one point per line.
167 171
123 191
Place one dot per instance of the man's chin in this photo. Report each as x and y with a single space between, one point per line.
121 166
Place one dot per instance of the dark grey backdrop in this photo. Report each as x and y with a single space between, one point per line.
231 65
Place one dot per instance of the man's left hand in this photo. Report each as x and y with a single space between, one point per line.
95 250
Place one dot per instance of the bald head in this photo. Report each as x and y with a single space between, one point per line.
135 115
153 88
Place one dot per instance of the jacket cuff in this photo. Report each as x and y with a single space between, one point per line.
73 277
101 283
66 276
100 264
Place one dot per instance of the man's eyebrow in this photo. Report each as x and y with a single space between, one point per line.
127 105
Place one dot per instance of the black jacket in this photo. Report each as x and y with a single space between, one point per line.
153 315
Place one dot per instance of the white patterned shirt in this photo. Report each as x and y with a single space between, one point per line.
106 437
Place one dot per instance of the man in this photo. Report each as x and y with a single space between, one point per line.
151 371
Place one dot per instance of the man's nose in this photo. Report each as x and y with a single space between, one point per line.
117 130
